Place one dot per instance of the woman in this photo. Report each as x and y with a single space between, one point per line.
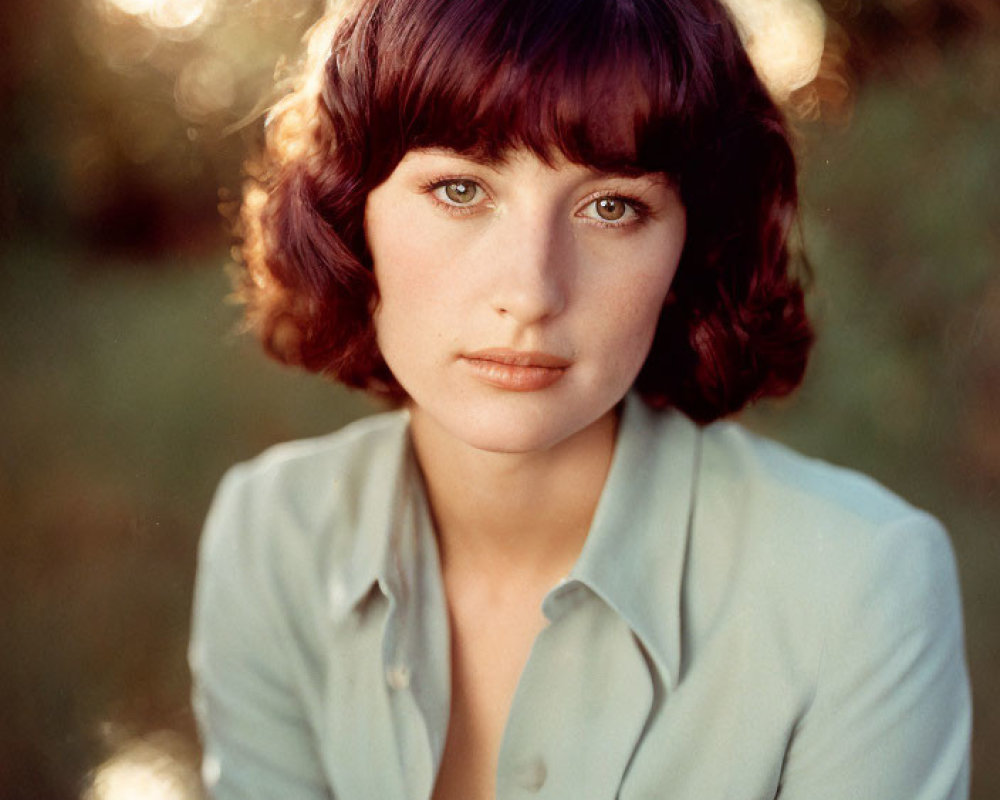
556 235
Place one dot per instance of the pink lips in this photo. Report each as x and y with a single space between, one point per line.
516 370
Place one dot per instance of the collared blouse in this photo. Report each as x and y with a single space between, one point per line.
742 623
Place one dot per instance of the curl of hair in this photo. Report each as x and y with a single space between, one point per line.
387 76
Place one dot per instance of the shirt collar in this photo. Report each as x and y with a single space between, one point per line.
634 555
382 490
633 558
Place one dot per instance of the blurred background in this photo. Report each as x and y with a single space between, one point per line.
125 390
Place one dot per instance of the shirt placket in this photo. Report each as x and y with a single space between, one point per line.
581 705
415 649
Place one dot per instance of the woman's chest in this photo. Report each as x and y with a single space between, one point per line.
578 710
488 655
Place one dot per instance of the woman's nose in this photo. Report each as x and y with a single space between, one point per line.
533 268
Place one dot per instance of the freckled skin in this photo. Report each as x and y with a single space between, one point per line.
529 265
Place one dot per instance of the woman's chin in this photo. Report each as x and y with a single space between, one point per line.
507 428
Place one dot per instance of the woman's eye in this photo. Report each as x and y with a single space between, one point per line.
611 209
458 193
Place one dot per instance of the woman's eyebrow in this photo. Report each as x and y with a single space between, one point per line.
650 179
495 163
478 158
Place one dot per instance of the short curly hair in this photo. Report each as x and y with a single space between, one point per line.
484 76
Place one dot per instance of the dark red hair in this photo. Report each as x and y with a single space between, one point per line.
484 76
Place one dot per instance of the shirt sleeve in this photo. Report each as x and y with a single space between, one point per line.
891 715
256 738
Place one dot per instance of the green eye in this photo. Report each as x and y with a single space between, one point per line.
461 192
611 209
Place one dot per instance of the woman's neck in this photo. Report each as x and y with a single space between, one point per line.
503 514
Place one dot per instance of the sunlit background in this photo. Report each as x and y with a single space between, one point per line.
125 392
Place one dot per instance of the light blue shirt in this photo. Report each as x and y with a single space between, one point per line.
743 623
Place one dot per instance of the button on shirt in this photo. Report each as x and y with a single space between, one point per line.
742 622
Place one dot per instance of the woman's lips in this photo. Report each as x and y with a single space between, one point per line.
516 370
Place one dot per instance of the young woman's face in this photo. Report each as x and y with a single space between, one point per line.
518 301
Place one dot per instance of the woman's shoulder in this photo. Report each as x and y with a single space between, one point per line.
309 497
819 537
297 465
756 500
792 489
803 511
850 594
816 564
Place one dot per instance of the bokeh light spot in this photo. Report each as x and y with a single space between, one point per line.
784 39
178 13
147 768
205 86
121 40
134 7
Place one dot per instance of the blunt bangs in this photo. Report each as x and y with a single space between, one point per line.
610 84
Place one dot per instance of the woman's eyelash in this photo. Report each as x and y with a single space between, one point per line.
444 180
430 188
639 208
